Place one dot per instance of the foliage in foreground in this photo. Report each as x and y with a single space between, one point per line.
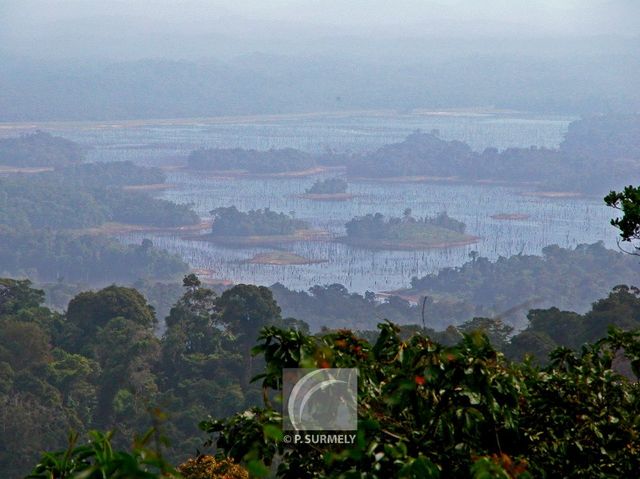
427 410
97 459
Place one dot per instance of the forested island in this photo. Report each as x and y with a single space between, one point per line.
597 153
566 278
254 227
251 161
376 232
329 189
86 196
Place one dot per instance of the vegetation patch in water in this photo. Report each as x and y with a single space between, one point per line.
376 232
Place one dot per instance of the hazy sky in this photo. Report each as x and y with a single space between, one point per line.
188 28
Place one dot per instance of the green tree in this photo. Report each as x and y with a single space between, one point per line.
127 352
432 411
494 328
89 311
628 202
244 310
23 345
193 331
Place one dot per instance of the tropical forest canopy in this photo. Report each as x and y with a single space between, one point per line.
99 365
203 202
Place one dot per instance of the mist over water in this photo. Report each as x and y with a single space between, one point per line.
565 222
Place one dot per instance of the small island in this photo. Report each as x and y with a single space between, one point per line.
261 227
282 258
329 189
406 233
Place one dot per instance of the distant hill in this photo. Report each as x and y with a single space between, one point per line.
39 149
272 84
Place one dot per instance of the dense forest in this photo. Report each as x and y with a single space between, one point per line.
45 217
570 279
264 222
252 161
99 365
45 255
321 240
459 400
479 410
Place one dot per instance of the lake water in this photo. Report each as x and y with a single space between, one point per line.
566 222
169 141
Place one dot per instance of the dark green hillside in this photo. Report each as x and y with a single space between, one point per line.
44 218
39 149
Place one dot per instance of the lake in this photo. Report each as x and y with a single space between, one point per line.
566 222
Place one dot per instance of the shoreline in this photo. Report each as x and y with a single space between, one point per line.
552 194
256 118
149 187
510 216
235 174
9 170
112 228
326 196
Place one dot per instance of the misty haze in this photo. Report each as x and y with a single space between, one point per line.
199 197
